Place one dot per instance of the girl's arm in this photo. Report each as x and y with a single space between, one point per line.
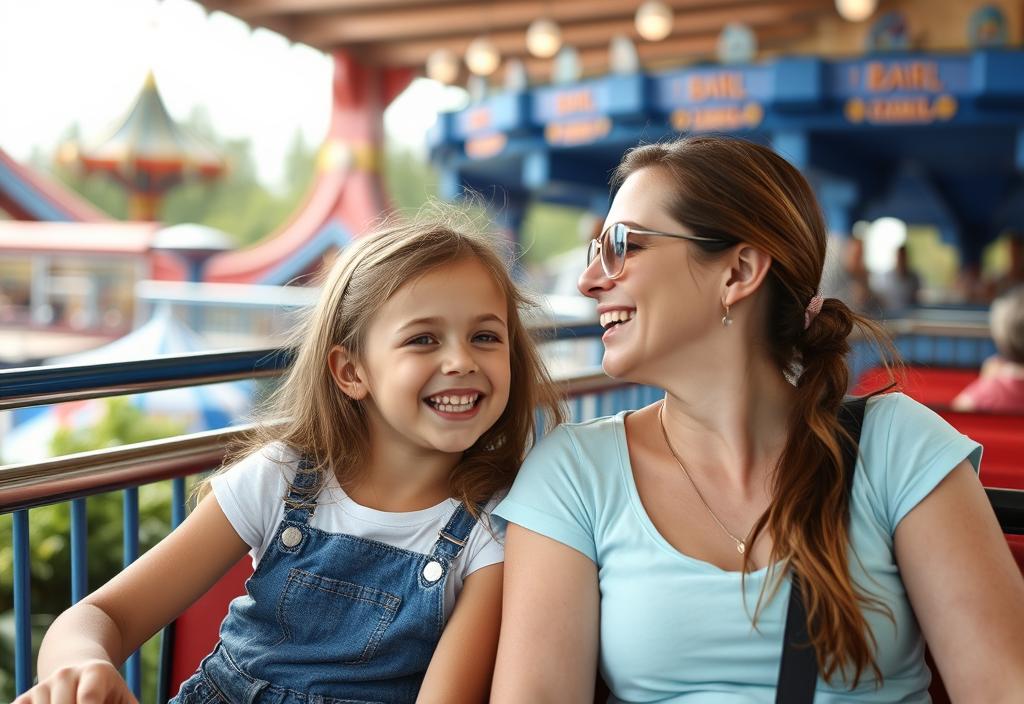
966 590
84 646
462 666
547 653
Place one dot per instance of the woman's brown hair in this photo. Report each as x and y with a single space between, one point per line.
312 416
738 191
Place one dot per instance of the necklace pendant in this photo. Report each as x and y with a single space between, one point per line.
741 547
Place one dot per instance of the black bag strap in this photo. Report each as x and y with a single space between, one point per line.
798 672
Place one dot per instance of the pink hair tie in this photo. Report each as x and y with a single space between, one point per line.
813 308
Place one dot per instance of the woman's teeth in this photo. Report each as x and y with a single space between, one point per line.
453 404
615 316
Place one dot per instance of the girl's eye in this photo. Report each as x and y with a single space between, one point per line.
421 340
486 337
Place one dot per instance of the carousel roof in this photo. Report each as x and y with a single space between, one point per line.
398 33
148 140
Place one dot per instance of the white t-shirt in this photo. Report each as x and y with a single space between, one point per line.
251 494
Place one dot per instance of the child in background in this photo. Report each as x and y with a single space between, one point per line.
363 499
1000 386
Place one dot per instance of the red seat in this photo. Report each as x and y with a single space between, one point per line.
1002 436
197 629
932 386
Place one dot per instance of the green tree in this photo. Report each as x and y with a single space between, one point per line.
549 230
50 550
410 180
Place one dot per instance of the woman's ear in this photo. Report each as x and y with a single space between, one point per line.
347 372
748 267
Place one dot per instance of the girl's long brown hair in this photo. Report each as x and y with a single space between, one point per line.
311 415
742 192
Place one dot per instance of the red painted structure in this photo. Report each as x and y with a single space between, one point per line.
28 195
347 195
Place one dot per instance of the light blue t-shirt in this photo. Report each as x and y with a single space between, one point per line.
674 628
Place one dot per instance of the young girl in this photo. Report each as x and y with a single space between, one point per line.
364 504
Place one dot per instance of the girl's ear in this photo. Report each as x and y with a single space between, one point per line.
347 373
748 267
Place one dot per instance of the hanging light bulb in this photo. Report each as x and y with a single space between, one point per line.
654 20
482 56
443 66
543 38
856 10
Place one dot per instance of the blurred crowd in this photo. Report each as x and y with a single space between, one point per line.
899 288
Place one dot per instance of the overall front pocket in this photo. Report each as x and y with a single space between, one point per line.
342 621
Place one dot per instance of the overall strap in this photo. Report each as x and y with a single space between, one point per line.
798 672
452 538
300 502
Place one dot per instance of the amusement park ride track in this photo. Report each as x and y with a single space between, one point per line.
401 33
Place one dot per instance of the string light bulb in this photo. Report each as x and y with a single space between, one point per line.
543 38
653 20
482 56
856 10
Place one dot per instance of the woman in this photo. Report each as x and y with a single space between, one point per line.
660 542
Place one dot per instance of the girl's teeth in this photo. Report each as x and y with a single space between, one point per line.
454 404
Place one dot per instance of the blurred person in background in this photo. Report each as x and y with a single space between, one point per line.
1000 386
897 289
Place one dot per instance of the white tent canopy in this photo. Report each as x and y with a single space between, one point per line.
195 408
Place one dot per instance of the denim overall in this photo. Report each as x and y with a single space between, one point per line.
330 618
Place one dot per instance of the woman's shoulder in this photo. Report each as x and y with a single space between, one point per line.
894 412
601 430
581 442
906 449
584 456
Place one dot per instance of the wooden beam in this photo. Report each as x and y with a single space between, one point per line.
334 30
585 35
257 10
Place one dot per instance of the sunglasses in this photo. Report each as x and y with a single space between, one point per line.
613 244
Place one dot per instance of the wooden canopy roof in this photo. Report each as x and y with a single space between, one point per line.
398 33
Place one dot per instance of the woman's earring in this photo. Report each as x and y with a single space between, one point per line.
726 320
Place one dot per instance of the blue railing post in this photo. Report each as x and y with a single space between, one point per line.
133 667
79 551
22 604
177 501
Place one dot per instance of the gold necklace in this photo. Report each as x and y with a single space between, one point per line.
741 544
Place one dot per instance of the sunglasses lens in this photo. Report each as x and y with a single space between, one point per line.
613 248
592 251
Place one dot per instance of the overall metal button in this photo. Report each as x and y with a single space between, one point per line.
291 537
433 571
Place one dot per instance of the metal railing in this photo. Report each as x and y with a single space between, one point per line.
72 478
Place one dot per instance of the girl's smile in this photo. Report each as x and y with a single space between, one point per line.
455 404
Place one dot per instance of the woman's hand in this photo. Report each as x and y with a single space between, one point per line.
90 682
